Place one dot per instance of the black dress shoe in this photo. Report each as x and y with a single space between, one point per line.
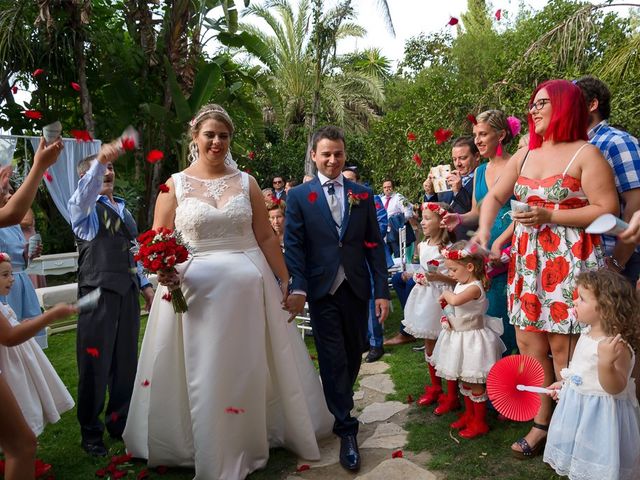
349 453
375 354
95 449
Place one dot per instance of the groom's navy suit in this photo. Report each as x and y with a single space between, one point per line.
314 250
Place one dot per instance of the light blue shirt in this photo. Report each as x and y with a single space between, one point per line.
82 209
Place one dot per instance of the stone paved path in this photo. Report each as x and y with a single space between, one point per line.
381 433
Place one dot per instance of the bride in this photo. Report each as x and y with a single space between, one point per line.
219 385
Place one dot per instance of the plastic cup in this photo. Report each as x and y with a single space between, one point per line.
51 132
34 242
519 207
607 224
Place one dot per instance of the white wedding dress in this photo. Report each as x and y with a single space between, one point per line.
219 385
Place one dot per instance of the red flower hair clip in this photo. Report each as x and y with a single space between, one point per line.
455 254
434 207
4 257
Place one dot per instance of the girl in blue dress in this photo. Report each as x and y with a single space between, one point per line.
595 429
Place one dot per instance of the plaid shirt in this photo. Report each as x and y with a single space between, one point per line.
622 151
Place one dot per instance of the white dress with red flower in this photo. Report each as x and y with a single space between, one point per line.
422 312
472 345
36 386
546 259
219 385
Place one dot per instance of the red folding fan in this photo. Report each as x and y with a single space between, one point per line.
513 385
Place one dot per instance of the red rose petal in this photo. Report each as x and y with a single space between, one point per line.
128 143
312 197
101 472
442 135
33 114
81 135
163 188
251 155
146 383
304 467
119 474
378 205
144 473
411 137
47 176
167 297
370 244
14 89
114 417
498 14
75 86
234 410
417 159
452 21
120 459
155 156
38 71
472 118
93 352
397 454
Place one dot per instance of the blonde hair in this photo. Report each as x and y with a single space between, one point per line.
209 111
475 259
617 304
497 120
445 237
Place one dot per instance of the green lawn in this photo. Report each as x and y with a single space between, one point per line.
482 458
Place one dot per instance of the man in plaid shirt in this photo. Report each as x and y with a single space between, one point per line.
622 151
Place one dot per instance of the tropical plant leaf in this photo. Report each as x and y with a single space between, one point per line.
207 80
183 111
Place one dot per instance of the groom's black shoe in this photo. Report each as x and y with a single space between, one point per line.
95 449
349 453
375 354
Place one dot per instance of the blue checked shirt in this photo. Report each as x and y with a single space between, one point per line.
622 151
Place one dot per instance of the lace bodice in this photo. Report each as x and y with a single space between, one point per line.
217 210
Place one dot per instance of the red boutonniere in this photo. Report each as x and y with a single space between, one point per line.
354 198
312 197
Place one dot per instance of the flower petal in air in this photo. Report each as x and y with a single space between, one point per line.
81 135
38 71
163 188
442 135
33 114
75 86
453 21
498 14
93 352
370 244
128 144
47 176
418 159
411 137
155 156
142 474
114 417
472 118
312 197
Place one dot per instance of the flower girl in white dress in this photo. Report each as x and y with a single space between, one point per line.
422 311
595 429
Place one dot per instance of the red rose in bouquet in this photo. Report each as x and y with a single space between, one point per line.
161 250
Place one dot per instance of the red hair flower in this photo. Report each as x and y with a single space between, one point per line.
472 118
312 197
75 86
93 352
411 137
417 159
442 135
397 454
434 207
154 156
38 71
453 21
163 188
81 135
33 114
498 14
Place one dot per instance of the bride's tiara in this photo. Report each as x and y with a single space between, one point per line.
214 109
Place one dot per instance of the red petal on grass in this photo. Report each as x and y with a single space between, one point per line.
93 352
33 114
417 159
452 21
119 474
163 188
411 137
38 71
312 197
101 472
155 156
498 14
120 459
146 383
167 297
14 89
397 454
370 244
409 398
472 118
81 135
75 86
144 473
47 176
303 468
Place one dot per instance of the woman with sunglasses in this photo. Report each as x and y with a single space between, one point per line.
566 184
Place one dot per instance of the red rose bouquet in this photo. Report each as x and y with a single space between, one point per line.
161 251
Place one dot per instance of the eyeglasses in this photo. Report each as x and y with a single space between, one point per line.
277 181
539 104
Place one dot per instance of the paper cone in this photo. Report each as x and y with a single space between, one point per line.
607 224
52 131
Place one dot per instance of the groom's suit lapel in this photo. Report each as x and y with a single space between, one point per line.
321 200
345 207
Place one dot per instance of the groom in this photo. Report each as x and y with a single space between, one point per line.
331 237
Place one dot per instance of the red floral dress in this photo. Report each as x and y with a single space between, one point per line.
546 259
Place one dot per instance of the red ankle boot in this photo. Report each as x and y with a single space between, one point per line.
448 402
433 391
478 425
466 417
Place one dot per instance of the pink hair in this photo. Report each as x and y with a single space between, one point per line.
569 114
